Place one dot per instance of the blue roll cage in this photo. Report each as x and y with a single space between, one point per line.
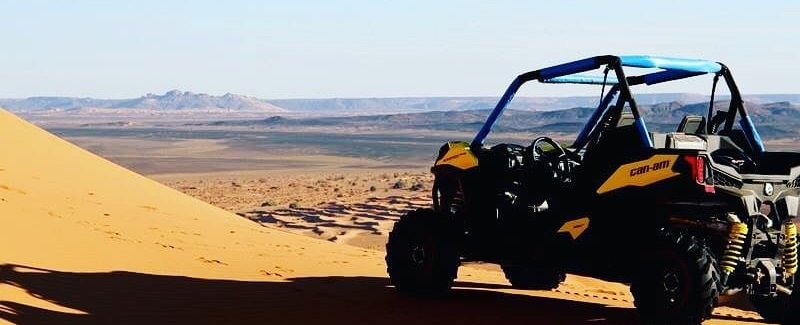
671 69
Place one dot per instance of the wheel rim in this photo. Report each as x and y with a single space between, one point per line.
674 285
418 255
671 284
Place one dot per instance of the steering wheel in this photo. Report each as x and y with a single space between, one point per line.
539 154
546 162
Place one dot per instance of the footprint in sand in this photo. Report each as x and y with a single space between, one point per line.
205 260
267 273
11 189
608 292
169 246
285 270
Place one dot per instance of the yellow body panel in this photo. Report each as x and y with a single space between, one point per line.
458 155
641 173
575 227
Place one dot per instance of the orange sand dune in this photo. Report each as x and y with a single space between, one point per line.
85 241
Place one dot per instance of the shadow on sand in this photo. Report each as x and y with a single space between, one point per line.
135 298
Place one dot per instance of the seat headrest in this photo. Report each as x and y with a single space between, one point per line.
692 124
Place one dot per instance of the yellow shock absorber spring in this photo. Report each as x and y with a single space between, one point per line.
790 248
733 251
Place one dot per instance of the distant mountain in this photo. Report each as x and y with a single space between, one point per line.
34 104
184 101
174 100
371 106
180 100
365 106
774 120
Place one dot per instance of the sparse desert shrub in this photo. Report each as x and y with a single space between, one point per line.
294 205
373 188
268 203
400 184
417 187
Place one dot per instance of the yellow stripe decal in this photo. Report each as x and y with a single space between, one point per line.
641 173
459 155
575 227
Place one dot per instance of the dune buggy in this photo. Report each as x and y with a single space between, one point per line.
682 216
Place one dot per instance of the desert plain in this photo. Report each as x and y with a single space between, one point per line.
149 226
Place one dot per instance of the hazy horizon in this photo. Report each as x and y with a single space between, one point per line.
366 49
161 93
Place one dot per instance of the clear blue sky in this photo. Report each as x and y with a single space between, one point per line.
286 49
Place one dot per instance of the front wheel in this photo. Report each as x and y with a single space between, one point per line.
677 283
421 255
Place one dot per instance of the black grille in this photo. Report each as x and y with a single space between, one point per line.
723 179
794 183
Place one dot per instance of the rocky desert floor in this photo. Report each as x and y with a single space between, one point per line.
353 207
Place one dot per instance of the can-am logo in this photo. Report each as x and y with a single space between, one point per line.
454 157
649 168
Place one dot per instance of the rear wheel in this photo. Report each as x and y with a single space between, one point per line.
775 308
792 314
533 278
678 282
772 308
422 255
